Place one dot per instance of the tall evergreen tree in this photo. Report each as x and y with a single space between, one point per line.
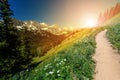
5 14
14 47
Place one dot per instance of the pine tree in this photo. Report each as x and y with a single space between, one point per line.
5 14
14 47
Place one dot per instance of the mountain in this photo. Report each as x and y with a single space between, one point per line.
42 36
35 26
54 29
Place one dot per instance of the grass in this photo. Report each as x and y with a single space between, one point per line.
71 60
113 35
113 21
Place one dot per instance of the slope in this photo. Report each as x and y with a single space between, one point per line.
71 60
67 43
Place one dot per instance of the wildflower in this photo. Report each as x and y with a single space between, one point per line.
60 63
58 74
51 72
64 59
47 65
58 71
27 70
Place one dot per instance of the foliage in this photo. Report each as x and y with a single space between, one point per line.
113 35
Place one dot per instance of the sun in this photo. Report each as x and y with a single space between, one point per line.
90 23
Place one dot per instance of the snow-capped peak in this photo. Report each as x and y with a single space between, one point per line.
43 24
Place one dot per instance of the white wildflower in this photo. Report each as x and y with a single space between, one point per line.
27 70
60 63
64 59
58 71
51 72
47 65
58 74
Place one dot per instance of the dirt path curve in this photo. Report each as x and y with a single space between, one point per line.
107 59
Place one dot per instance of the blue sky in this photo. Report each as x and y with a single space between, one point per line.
39 10
63 12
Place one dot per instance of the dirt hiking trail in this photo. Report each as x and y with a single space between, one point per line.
107 59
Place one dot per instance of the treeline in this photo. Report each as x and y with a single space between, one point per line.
109 13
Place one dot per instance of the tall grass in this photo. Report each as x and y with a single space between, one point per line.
113 35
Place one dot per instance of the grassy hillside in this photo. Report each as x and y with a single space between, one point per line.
114 20
71 60
113 32
113 35
71 40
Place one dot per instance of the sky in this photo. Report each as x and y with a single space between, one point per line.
62 12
